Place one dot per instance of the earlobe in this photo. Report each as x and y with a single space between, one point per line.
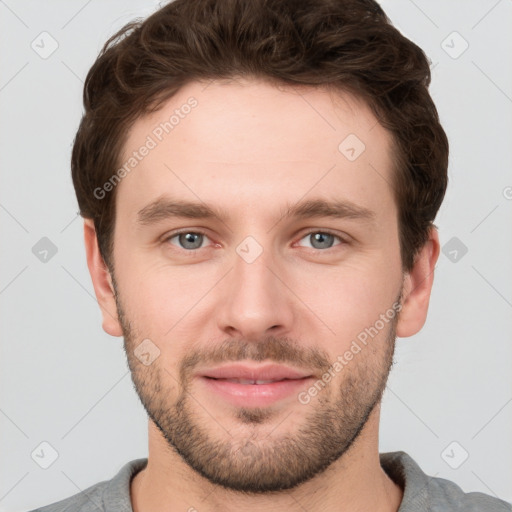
417 288
102 281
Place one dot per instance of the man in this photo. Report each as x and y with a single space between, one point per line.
259 181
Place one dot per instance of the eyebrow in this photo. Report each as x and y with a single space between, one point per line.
165 208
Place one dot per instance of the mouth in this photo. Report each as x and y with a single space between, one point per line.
251 381
255 374
254 386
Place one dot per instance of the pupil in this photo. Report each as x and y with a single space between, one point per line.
189 240
322 238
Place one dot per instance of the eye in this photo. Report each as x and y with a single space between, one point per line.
321 239
189 240
194 240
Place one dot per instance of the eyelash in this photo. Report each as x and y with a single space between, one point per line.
199 232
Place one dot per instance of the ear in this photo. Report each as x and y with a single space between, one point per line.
417 287
102 281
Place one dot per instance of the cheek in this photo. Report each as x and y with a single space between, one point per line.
161 299
351 298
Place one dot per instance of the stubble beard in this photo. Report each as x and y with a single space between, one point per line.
278 460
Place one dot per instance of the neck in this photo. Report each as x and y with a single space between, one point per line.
355 482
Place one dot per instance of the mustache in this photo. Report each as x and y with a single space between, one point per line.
275 349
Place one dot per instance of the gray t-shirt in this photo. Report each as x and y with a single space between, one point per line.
421 492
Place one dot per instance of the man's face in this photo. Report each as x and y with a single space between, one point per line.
256 287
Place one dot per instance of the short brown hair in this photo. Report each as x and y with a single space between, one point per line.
348 45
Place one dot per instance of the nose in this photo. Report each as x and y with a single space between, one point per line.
255 301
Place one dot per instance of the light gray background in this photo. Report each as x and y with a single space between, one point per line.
65 382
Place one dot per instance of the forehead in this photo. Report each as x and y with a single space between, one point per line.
247 143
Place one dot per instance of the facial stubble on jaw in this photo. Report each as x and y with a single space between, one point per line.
279 460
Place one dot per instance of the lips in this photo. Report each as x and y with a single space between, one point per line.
261 374
246 385
251 381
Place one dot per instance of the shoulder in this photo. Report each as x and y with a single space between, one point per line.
423 492
104 496
89 500
444 493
